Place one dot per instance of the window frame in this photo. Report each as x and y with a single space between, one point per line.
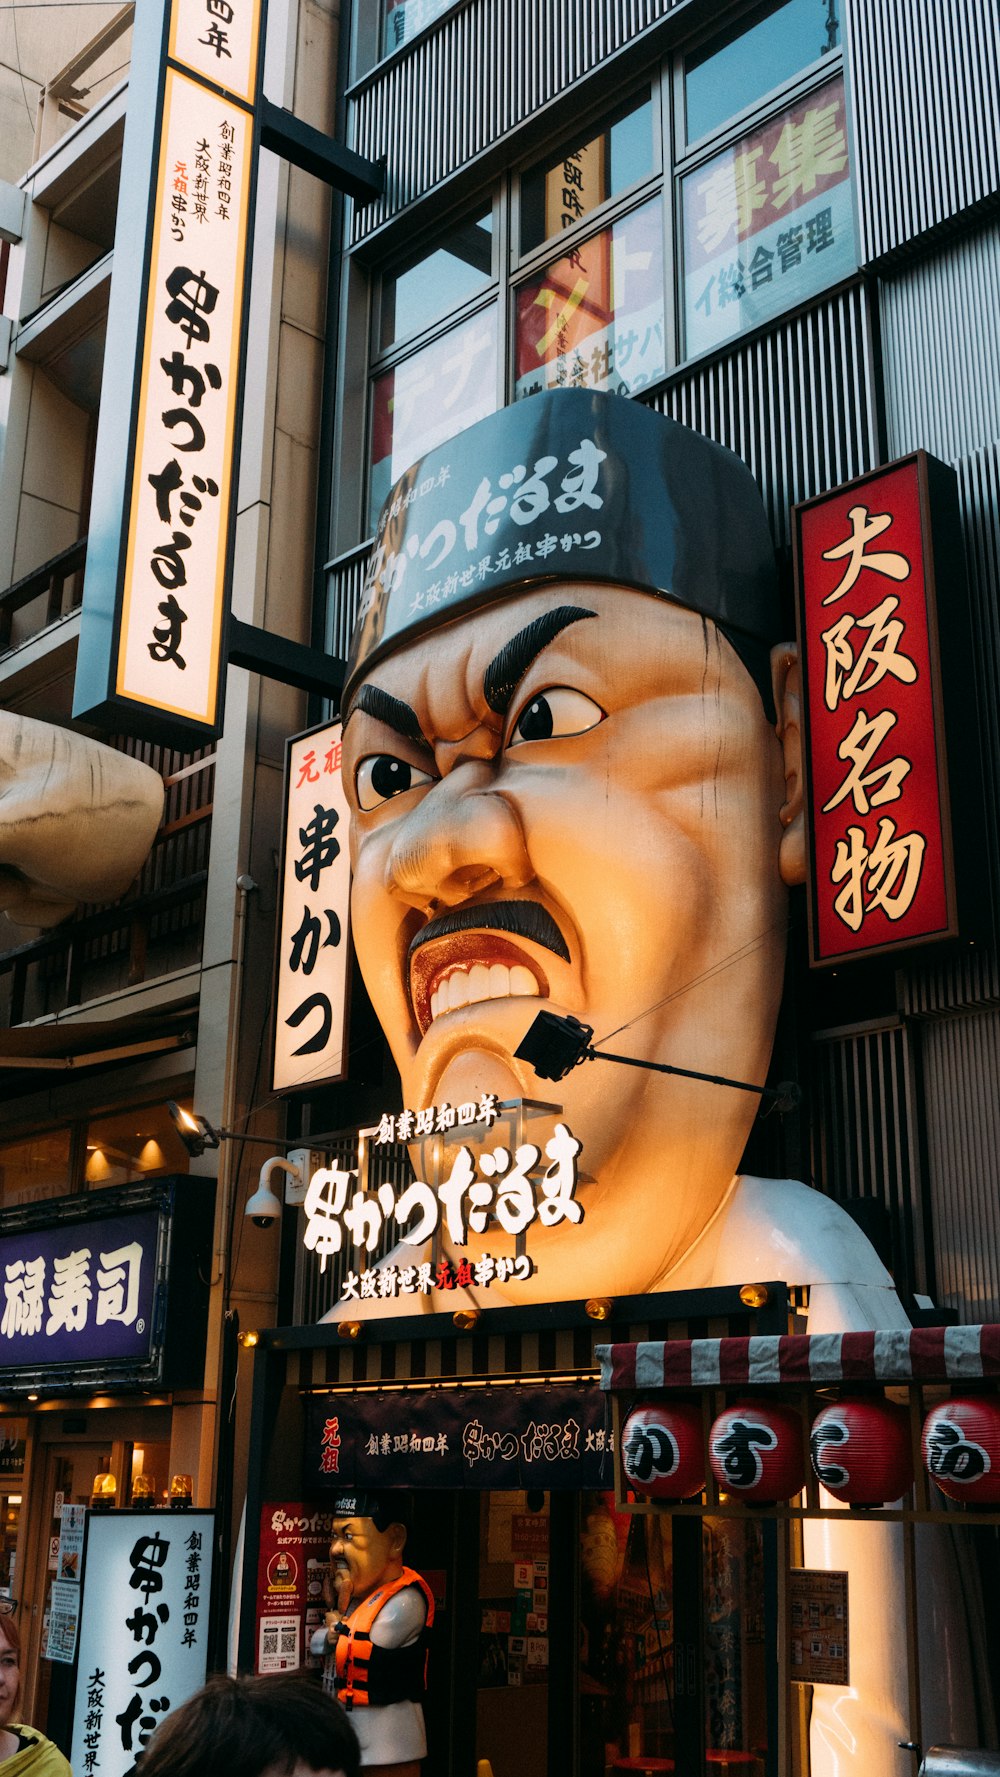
673 160
775 99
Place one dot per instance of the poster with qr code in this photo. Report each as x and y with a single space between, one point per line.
278 1650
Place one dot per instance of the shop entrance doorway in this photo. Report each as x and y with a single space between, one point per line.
576 1641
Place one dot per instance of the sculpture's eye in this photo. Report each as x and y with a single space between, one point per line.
555 713
381 776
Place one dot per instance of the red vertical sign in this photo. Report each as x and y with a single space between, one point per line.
880 841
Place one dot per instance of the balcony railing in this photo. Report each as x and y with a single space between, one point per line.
55 589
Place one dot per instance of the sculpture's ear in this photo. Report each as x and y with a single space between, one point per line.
397 1538
786 678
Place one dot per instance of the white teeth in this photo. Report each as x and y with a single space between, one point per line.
522 980
458 989
479 982
465 987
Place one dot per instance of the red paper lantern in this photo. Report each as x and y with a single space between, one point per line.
755 1450
662 1450
961 1448
861 1451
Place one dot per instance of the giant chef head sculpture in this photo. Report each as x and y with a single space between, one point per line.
572 756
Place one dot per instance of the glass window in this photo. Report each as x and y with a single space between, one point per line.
734 70
133 1145
594 319
768 222
457 269
626 1647
35 1168
404 18
558 193
430 396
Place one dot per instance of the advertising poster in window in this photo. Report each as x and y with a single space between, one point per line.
594 318
430 397
143 1634
881 868
291 1566
768 222
311 994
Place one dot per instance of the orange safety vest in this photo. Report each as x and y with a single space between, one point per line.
368 1675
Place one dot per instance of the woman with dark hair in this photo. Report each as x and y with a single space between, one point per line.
280 1726
23 1751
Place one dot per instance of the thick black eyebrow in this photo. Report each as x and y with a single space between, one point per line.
507 669
391 710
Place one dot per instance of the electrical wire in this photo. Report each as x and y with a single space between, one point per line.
716 968
20 72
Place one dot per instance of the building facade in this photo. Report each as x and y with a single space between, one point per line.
777 224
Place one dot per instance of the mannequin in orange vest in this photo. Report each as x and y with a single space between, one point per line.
374 1641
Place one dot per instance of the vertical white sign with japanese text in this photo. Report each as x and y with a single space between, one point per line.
312 976
174 588
143 1631
167 450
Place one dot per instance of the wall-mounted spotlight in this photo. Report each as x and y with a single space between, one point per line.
196 1133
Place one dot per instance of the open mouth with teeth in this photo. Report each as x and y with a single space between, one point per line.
467 968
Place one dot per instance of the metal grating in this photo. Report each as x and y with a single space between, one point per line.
475 76
864 1137
547 1352
796 403
925 93
962 1110
941 351
971 975
345 579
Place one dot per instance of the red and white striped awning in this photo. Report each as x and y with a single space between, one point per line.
919 1354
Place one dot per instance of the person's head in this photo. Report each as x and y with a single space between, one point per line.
574 794
278 1726
367 1541
10 1667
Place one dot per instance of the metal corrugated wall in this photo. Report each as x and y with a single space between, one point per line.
961 1058
796 403
925 94
941 349
863 1133
475 76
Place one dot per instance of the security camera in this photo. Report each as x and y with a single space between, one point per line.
264 1207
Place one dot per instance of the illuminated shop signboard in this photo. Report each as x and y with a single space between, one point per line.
769 221
160 542
508 1437
144 1624
312 979
881 874
473 1174
79 1292
90 1299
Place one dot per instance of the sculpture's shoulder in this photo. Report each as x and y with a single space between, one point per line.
780 1229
